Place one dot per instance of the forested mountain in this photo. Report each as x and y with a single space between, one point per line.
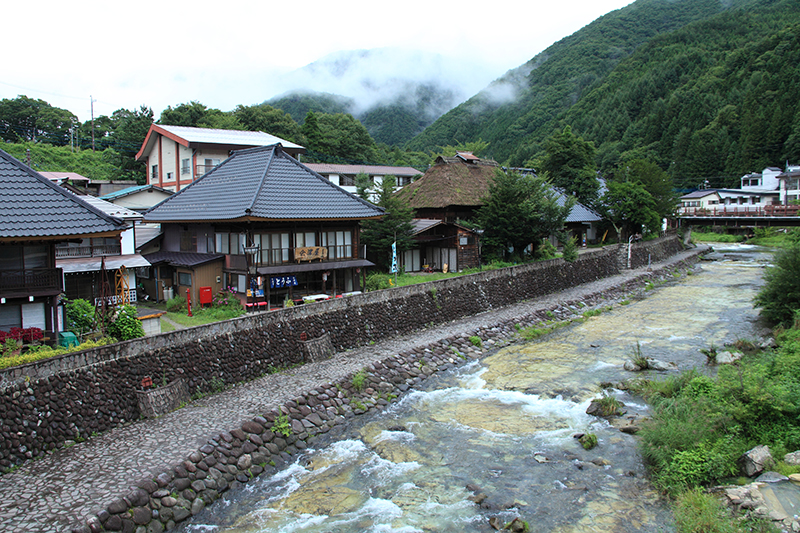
393 122
396 93
707 85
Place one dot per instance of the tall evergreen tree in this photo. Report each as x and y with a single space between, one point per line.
395 226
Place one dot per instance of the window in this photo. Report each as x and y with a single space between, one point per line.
274 247
10 317
170 176
402 181
154 173
185 279
347 181
308 238
229 243
185 168
339 244
188 242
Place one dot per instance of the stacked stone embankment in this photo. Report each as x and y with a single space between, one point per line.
267 442
46 404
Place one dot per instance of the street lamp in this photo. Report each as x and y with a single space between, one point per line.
251 253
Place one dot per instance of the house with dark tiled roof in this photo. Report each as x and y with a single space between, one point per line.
36 215
453 189
175 156
262 223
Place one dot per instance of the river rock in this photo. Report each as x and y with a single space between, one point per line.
771 477
630 366
661 366
755 460
728 356
792 459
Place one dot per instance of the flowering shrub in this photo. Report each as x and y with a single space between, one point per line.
26 335
126 325
227 298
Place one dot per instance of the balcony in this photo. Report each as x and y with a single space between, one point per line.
285 256
202 169
17 283
64 252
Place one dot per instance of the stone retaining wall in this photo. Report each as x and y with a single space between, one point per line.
267 442
45 404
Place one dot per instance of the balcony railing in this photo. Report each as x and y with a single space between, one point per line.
63 252
202 169
30 281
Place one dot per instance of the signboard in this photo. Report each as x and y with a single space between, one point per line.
279 282
394 257
310 253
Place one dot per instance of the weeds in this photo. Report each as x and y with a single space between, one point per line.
710 353
638 358
281 425
476 341
359 378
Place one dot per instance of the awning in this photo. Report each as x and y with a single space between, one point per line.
93 264
314 267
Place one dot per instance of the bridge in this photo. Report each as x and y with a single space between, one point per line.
741 216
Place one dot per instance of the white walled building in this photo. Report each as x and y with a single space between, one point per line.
175 156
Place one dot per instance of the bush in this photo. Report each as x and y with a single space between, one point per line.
546 250
570 250
378 281
780 296
126 325
80 317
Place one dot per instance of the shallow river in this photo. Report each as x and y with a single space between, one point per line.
505 426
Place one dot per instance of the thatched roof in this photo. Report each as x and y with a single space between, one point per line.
449 183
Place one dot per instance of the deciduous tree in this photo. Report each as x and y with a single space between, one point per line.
520 210
570 163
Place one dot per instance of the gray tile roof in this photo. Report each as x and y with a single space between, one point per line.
33 206
182 259
579 212
265 184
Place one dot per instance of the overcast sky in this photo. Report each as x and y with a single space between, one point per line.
161 52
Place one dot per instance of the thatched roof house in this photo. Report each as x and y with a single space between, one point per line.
453 188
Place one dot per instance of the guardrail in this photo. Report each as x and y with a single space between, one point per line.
741 211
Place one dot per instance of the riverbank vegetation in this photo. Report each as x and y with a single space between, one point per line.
701 425
772 237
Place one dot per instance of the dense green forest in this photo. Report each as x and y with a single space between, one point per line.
692 85
392 124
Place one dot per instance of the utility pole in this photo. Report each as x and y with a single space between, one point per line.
92 100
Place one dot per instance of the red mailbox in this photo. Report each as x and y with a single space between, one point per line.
205 296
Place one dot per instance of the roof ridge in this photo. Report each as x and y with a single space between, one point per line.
256 196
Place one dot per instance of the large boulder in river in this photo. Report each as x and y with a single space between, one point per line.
792 459
754 461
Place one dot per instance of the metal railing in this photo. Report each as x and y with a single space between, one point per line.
741 211
34 279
